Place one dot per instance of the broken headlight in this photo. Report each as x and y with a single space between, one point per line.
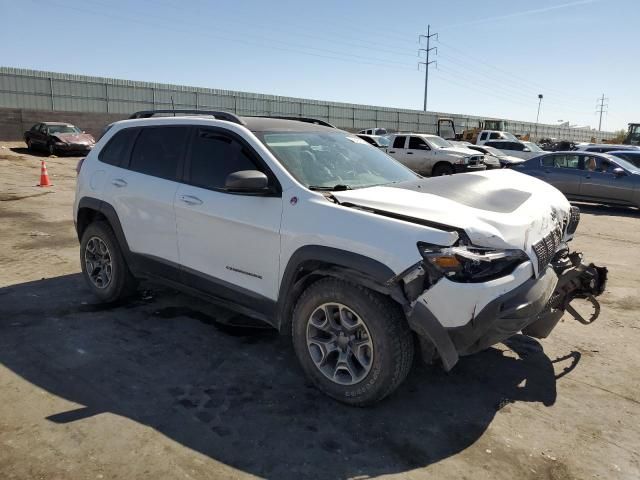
469 263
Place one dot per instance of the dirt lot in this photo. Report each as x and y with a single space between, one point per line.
160 389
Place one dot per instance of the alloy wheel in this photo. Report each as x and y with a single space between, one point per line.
339 343
97 259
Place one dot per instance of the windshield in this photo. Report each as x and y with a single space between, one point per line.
533 147
627 165
439 142
53 129
326 160
384 141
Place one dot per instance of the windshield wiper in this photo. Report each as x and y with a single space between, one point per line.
335 188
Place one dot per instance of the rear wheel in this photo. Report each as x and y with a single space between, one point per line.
354 344
103 265
442 169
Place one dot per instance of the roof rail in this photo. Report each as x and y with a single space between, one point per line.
219 115
300 119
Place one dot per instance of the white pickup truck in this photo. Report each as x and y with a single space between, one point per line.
433 155
487 135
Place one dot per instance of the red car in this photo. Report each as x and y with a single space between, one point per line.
58 138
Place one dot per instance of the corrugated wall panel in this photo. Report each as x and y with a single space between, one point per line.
21 88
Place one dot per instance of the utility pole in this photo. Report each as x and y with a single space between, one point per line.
540 96
426 63
601 108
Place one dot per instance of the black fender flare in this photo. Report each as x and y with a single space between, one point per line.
111 215
318 260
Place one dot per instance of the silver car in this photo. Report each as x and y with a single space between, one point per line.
588 176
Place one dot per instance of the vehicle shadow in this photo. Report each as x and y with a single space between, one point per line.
43 153
607 210
237 394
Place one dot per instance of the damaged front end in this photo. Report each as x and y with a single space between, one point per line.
498 290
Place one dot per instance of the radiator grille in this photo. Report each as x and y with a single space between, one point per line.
574 219
546 248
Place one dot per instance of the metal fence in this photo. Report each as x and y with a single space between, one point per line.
32 89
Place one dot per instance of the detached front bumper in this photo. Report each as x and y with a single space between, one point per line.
534 307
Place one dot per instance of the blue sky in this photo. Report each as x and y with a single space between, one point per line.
494 56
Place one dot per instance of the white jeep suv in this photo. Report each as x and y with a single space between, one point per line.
328 239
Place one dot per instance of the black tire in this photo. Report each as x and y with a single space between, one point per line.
442 169
392 340
122 283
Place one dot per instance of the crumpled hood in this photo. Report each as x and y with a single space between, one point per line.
497 208
80 138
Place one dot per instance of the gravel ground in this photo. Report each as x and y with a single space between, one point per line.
163 387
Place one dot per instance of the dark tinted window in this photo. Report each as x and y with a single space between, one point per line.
117 151
367 139
418 143
214 156
399 142
483 136
35 127
516 146
158 150
548 161
494 135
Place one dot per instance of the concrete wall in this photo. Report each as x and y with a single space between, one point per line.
14 121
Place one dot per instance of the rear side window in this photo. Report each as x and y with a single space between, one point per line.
214 156
483 136
117 151
494 135
548 161
158 150
398 142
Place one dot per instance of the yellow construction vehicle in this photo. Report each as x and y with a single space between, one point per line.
447 130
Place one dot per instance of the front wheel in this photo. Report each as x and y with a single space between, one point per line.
442 169
353 344
103 265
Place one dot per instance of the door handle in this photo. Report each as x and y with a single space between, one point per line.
119 182
588 176
409 153
392 151
190 200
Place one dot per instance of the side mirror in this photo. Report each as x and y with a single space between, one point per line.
526 149
619 172
247 181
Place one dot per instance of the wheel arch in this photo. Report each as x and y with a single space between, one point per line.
313 262
92 209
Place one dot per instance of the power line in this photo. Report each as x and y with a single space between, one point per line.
426 63
264 41
601 108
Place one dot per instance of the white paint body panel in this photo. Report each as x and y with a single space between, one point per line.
454 304
519 229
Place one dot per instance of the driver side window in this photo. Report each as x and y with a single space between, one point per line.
417 143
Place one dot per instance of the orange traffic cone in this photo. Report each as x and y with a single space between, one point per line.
44 176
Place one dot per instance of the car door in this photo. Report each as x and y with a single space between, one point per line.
142 191
600 183
397 149
229 243
563 171
40 136
418 155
